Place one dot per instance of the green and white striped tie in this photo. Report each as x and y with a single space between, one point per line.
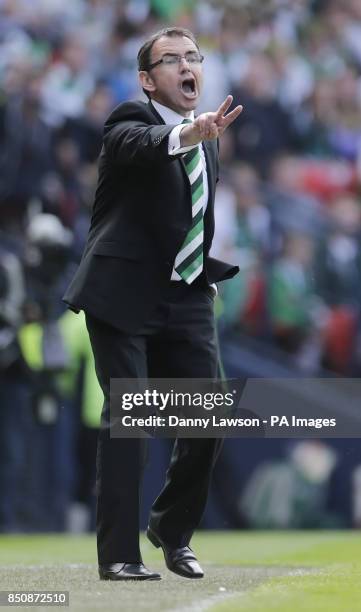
189 261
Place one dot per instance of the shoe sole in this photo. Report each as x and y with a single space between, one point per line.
135 578
154 540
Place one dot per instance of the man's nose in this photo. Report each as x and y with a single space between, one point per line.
184 66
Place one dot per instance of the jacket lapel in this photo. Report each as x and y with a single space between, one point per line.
161 120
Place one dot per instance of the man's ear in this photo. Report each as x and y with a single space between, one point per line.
146 81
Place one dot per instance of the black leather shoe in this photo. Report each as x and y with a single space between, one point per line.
126 571
181 561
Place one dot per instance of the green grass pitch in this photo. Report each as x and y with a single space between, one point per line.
252 571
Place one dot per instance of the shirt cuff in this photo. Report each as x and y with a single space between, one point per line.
174 147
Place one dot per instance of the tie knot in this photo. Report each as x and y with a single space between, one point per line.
187 121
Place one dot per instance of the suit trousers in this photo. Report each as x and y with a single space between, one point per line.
178 341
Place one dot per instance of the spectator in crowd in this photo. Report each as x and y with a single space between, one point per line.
257 138
26 149
87 129
53 351
68 82
291 293
250 236
13 393
339 282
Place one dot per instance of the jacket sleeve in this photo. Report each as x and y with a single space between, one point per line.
130 139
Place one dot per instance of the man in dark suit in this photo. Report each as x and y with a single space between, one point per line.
145 282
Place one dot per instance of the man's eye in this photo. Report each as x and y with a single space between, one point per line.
170 59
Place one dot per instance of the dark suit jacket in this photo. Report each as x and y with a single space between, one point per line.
141 216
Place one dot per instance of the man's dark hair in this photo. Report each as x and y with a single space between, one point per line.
146 49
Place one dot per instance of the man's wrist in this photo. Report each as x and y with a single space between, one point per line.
188 138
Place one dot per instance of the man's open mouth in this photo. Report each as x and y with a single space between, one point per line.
188 87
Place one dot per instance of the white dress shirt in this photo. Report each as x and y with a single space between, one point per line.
170 117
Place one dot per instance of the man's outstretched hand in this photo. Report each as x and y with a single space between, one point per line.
209 126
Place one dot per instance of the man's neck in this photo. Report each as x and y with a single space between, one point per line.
167 110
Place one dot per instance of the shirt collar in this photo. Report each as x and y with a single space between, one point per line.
168 115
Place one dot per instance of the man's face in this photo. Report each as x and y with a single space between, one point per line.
177 86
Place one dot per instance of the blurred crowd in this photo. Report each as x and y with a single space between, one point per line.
288 208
